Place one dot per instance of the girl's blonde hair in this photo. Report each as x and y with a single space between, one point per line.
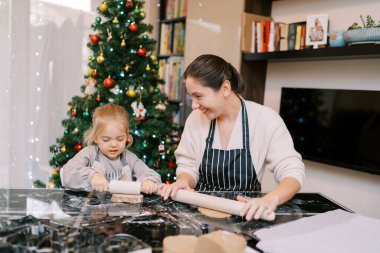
103 115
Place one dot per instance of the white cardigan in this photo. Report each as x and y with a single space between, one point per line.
271 145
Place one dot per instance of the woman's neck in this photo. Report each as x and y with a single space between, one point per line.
232 108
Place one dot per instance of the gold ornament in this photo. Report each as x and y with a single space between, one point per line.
103 7
90 71
147 67
115 21
54 173
127 67
89 58
51 185
142 14
153 57
161 106
123 44
131 92
63 149
100 58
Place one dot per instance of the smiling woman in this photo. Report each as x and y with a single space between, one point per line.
229 142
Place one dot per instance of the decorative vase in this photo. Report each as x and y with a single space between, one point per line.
336 39
362 35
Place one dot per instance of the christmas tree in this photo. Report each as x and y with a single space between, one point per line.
122 70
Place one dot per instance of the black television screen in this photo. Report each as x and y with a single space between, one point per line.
339 127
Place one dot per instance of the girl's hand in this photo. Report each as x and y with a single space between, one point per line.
171 189
99 183
148 186
255 207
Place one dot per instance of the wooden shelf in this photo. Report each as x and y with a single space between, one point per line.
173 20
362 51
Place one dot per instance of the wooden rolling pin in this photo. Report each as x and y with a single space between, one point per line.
189 197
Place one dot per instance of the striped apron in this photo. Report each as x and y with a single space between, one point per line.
228 170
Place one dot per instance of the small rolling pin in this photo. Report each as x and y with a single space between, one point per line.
190 197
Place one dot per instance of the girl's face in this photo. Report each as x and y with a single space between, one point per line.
206 99
112 140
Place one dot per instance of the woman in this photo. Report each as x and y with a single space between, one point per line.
228 142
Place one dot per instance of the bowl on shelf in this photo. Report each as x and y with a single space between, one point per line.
336 39
362 35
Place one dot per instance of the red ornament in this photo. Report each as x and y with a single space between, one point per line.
97 98
171 164
141 52
94 38
168 182
129 3
133 27
94 73
108 82
74 112
78 147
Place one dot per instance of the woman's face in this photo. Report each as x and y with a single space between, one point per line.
205 99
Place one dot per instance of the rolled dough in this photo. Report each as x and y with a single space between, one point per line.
127 198
179 244
213 213
221 242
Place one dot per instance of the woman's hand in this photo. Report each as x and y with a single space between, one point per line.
255 207
171 189
99 183
148 186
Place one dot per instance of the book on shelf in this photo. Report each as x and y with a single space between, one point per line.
165 38
170 70
175 8
249 39
295 35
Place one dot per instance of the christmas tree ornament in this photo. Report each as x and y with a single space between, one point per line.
66 132
147 67
51 185
171 165
161 106
109 34
115 90
145 37
115 20
141 51
94 39
63 149
76 130
132 51
127 67
139 110
74 112
129 3
161 149
100 59
156 90
89 57
168 140
133 27
136 10
108 82
98 98
123 44
153 57
98 20
86 114
90 88
103 7
142 14
55 172
131 92
78 147
94 73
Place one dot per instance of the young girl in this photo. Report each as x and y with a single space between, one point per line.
106 157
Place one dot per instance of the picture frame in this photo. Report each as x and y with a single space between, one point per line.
316 30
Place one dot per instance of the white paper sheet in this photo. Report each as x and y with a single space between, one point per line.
334 231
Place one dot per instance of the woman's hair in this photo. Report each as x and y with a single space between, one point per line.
212 71
103 115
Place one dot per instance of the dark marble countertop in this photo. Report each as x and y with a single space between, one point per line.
33 219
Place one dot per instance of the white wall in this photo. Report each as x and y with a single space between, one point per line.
358 191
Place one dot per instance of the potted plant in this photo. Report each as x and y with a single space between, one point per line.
369 33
